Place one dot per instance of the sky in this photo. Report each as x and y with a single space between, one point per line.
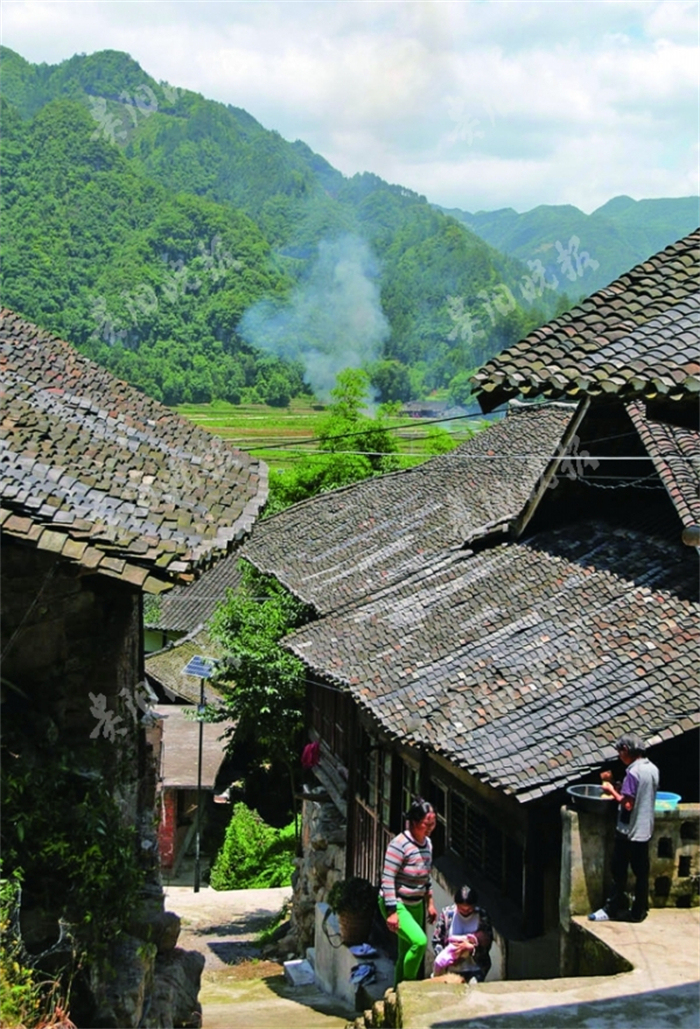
476 104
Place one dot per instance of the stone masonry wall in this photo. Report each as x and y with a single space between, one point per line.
73 661
324 840
674 850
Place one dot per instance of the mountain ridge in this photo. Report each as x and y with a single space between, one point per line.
250 218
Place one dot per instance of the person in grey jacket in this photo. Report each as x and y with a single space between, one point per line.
636 797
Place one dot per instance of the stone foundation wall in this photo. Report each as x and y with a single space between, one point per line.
587 843
324 842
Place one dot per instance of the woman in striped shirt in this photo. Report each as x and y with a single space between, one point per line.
406 888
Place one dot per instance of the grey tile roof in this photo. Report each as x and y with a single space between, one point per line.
523 662
185 607
675 452
94 470
350 542
639 338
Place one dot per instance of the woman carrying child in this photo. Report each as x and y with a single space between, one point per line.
462 938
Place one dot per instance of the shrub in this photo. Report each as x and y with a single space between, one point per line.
26 997
254 855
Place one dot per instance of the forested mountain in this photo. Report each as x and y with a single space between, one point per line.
142 221
200 255
601 246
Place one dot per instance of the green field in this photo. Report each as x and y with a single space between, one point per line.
280 436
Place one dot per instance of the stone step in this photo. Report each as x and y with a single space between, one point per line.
298 972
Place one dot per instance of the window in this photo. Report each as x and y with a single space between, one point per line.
330 715
484 847
458 824
410 778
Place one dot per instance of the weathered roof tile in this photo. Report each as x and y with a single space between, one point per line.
634 335
90 449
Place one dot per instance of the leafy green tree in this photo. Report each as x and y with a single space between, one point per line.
392 380
439 441
315 473
347 429
262 682
460 390
254 855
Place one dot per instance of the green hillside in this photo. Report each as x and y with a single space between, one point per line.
615 237
142 221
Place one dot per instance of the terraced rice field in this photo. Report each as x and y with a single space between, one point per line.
281 435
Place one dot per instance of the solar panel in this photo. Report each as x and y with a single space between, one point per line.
200 667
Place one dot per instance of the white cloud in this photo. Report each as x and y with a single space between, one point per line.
517 103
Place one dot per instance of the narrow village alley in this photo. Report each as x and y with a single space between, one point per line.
239 988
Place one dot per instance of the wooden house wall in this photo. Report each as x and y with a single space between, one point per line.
508 851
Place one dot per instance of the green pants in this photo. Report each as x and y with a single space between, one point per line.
412 939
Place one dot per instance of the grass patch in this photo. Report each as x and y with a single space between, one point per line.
271 931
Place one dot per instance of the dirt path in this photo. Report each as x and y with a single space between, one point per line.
238 987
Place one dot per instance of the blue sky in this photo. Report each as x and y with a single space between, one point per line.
477 104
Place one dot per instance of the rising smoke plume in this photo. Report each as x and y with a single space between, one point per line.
332 320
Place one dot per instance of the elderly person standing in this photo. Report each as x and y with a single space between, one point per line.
635 824
406 891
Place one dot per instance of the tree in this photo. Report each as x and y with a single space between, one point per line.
263 683
347 429
393 380
460 391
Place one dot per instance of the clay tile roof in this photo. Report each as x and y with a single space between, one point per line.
675 452
500 660
637 338
180 760
345 544
87 461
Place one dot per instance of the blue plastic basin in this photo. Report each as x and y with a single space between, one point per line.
666 801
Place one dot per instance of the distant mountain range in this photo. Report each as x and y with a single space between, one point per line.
615 237
199 255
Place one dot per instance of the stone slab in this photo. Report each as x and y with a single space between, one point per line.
334 962
662 989
298 972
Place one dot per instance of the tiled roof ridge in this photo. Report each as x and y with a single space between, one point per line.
639 336
347 543
514 409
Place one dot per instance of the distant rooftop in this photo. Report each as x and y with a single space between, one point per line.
181 747
182 608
